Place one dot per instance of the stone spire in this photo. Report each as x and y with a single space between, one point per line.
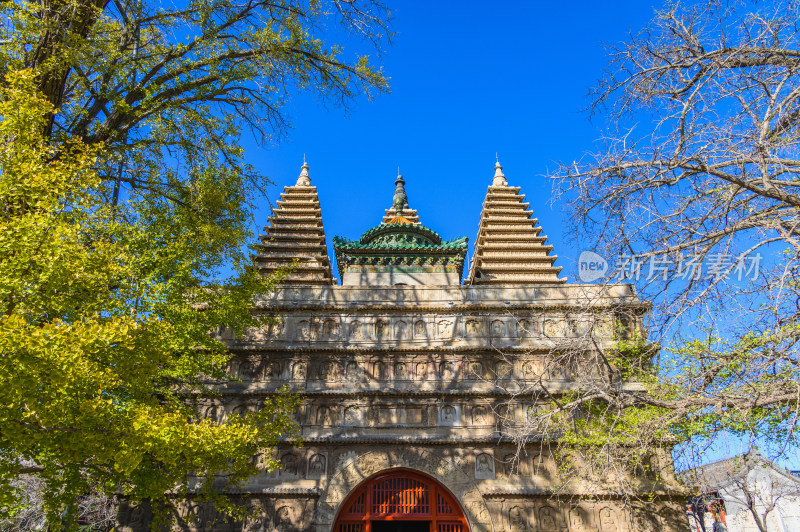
499 179
400 198
296 232
509 248
303 180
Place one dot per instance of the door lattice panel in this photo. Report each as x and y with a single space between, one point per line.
401 495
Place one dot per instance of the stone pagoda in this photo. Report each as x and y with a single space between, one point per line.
295 238
413 382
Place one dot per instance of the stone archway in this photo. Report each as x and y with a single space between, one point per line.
400 500
357 469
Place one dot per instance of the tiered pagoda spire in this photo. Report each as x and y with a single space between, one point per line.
509 248
295 232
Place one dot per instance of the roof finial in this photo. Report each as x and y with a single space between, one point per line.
399 200
499 179
304 180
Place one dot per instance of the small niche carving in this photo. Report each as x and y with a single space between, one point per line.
356 331
299 371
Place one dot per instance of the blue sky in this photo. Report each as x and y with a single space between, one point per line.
468 79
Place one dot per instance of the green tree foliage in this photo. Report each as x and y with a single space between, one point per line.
105 330
124 193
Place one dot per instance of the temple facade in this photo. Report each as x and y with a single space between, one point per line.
416 384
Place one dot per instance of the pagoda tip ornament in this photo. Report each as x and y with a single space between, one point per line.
303 179
499 179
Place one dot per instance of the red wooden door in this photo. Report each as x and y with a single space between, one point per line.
400 495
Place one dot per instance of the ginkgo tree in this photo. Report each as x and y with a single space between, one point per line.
105 329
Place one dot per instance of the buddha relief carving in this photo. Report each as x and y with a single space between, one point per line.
353 371
288 466
548 518
578 519
472 329
476 369
517 519
316 466
484 466
248 370
330 329
303 331
447 370
400 371
273 370
328 371
379 370
608 519
552 328
421 371
498 329
352 415
480 415
444 329
356 330
381 330
299 371
503 369
524 329
420 330
400 330
324 416
275 329
284 518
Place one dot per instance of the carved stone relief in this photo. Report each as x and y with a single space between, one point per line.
299 371
356 330
473 329
304 332
578 519
353 416
381 330
498 329
480 415
317 466
502 369
449 415
484 466
289 465
476 370
447 370
272 370
353 371
400 330
379 370
249 370
400 371
421 371
330 329
552 328
444 329
328 371
548 518
518 520
420 330
608 519
324 416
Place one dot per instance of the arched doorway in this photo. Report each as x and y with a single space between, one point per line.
400 501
